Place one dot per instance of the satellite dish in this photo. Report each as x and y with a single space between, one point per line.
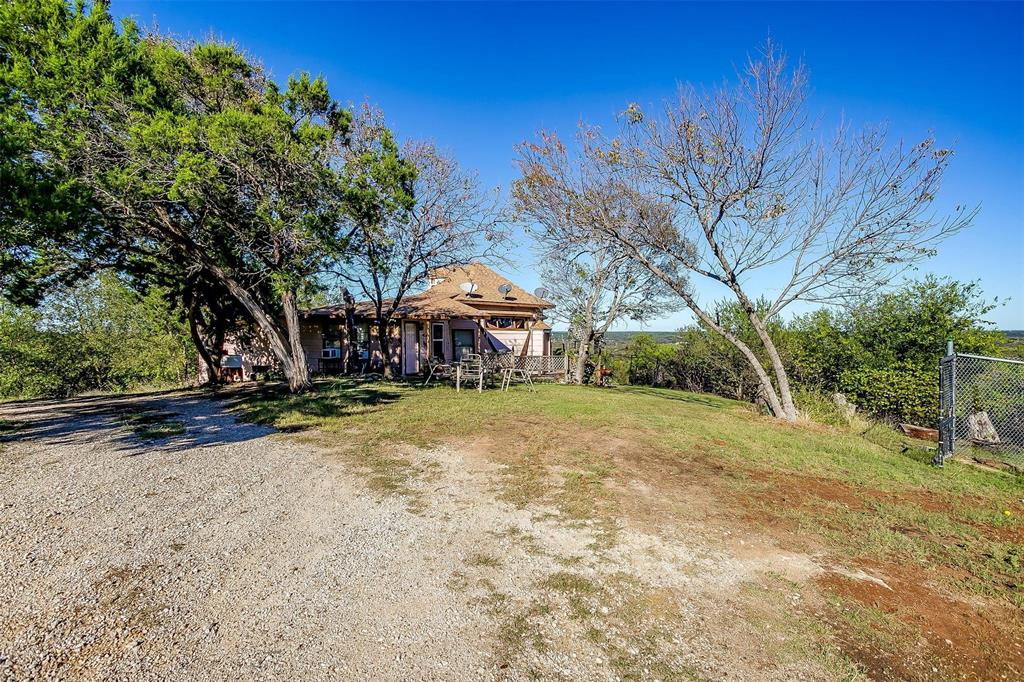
468 287
505 289
540 292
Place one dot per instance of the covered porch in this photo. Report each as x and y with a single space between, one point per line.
523 344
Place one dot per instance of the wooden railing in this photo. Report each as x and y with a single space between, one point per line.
540 365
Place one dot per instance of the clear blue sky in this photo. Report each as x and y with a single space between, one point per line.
480 78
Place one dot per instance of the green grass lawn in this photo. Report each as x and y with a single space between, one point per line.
865 497
376 413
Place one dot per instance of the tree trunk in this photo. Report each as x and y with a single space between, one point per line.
384 341
298 376
781 376
582 356
352 354
220 326
767 388
298 379
212 370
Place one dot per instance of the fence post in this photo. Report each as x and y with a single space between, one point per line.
947 405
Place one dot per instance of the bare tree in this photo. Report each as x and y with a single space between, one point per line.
758 201
446 221
593 281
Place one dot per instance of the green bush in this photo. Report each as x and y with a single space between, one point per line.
902 393
882 355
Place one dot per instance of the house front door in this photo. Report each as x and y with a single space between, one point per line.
410 347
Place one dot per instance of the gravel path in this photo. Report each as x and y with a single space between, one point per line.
234 552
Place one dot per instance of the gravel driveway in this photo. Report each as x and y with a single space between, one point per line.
234 552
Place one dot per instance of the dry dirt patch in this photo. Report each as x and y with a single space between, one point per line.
896 621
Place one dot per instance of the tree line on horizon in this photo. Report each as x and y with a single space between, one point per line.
184 169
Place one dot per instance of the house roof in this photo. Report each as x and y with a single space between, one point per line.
487 282
416 306
446 299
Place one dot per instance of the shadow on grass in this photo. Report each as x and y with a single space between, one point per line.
10 426
100 399
273 405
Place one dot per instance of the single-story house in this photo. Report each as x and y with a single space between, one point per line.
464 309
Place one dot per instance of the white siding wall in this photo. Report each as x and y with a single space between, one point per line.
514 340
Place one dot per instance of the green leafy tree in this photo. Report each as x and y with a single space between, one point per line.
648 360
883 354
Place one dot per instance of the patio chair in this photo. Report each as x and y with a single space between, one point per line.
439 369
470 369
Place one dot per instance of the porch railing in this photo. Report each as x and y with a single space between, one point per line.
540 365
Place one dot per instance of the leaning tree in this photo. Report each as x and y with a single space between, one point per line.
593 281
761 205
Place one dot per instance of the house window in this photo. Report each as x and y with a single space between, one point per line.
331 336
363 340
464 342
507 323
437 340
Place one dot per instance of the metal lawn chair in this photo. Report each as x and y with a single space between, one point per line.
471 370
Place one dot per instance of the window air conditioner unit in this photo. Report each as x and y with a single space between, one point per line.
330 353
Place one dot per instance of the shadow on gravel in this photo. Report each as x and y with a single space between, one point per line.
206 421
230 414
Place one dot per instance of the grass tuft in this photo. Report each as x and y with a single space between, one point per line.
153 424
8 426
483 559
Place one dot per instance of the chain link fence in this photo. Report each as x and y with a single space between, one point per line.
981 404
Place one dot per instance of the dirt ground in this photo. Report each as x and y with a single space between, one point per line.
231 551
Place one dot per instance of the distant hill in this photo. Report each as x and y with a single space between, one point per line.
616 339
